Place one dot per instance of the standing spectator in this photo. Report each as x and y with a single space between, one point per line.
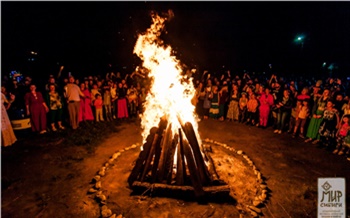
85 111
91 83
346 108
223 101
266 102
284 106
252 111
339 102
37 109
214 103
304 95
132 100
77 82
314 96
328 127
316 119
114 98
293 92
51 81
277 93
107 104
207 101
121 102
98 103
341 134
233 108
86 82
94 91
294 116
301 118
243 100
200 94
7 135
72 94
54 101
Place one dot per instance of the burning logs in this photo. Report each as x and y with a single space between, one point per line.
174 162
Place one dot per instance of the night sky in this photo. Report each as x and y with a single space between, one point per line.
86 37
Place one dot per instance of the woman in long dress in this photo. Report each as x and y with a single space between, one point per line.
7 135
37 109
316 119
122 111
85 111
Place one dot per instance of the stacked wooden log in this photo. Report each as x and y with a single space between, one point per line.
194 169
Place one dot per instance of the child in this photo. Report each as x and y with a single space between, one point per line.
98 103
252 108
294 116
301 118
341 134
243 101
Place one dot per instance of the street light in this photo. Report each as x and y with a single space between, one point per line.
300 40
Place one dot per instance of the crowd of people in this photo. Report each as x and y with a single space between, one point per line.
59 104
316 110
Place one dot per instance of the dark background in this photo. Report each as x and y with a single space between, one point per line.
91 38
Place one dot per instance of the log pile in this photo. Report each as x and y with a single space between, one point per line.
193 169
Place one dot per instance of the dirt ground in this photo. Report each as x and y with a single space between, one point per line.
44 177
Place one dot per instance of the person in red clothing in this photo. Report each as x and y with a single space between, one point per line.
266 101
85 111
304 95
37 109
98 103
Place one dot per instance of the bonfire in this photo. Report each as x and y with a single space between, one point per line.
172 156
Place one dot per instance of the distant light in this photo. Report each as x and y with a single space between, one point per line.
299 38
324 64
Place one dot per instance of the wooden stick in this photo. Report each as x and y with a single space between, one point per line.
162 125
192 139
212 169
138 168
194 174
155 145
150 156
169 165
180 163
166 144
207 189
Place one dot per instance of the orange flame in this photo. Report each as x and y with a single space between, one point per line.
170 93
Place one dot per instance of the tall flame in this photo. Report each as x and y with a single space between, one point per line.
170 93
